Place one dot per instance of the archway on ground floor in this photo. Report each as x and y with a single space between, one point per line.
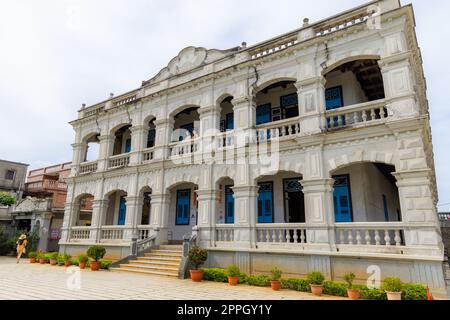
366 192
116 211
144 217
183 211
225 201
83 205
281 198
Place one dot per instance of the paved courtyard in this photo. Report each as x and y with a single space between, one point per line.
36 282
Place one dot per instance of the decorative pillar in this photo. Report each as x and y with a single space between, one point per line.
131 221
99 209
79 151
209 128
319 213
138 137
69 220
244 109
164 128
207 201
311 104
106 145
160 216
418 210
246 216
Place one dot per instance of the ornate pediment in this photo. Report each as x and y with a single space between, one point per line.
188 59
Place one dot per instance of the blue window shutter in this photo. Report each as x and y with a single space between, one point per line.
334 98
128 146
342 200
263 114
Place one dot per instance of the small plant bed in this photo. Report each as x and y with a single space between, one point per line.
330 288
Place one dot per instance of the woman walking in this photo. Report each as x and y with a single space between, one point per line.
21 246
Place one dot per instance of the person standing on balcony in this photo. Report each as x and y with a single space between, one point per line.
21 243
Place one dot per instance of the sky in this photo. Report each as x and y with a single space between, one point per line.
58 54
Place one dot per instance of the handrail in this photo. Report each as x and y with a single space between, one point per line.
188 243
356 107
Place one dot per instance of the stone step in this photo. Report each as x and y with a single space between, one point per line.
147 267
145 271
162 255
165 259
170 264
167 251
171 247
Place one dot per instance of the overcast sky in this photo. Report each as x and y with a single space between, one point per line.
56 55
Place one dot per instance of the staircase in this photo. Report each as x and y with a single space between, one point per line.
164 261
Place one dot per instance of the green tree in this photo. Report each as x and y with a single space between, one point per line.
6 199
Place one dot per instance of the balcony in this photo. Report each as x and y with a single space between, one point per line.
356 116
119 161
283 129
184 148
46 185
88 167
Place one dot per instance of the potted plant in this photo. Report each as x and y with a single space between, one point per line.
41 257
32 256
96 253
67 258
233 275
316 280
53 257
393 288
352 293
197 257
82 259
275 279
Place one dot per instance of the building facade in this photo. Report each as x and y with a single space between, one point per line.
12 181
310 151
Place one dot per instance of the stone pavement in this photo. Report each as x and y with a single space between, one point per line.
44 282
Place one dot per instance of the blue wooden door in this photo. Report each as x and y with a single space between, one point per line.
229 205
183 207
342 199
229 125
122 211
265 203
263 114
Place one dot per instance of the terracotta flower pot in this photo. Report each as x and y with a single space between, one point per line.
275 285
317 289
32 260
82 265
67 263
233 281
53 262
42 261
353 294
394 296
95 265
196 275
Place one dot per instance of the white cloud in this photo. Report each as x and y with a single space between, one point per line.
56 55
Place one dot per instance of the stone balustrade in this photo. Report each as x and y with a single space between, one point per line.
357 115
280 233
78 234
148 155
185 147
112 233
225 233
88 167
370 234
144 232
119 161
280 129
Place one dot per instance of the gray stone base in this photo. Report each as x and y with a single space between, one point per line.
112 252
429 273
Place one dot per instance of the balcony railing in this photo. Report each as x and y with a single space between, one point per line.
225 233
287 128
225 139
444 216
183 148
144 232
385 234
46 185
280 233
109 233
119 161
372 112
88 167
148 155
80 234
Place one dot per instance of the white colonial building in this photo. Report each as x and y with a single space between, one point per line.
310 151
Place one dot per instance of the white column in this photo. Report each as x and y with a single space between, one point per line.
138 140
164 128
419 210
131 221
244 109
70 211
311 102
207 201
99 209
160 216
209 127
106 145
246 216
79 150
319 213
